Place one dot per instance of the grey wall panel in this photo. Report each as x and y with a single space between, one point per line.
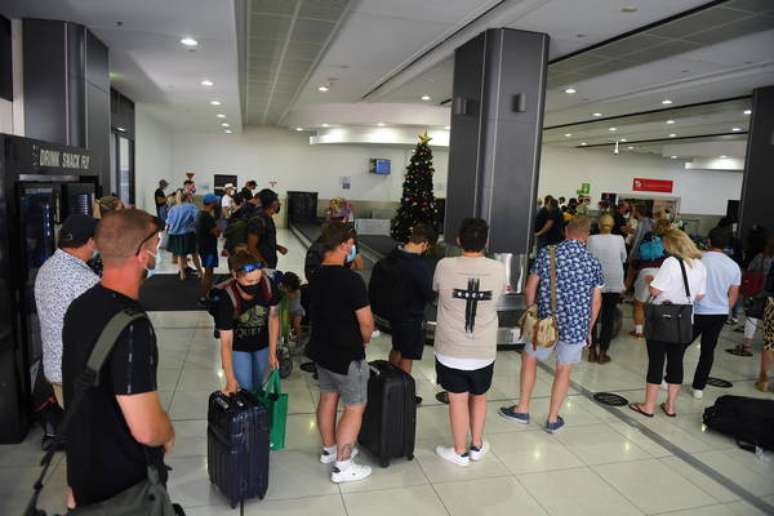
98 137
756 206
6 59
97 65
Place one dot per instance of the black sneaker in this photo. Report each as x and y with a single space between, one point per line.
418 399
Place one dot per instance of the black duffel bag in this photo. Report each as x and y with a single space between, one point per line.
670 322
748 420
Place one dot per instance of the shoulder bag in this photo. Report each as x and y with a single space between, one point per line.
542 333
149 497
670 322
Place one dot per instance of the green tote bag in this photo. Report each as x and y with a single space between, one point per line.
276 404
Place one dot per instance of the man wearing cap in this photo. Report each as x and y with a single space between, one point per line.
61 279
208 233
227 202
261 231
162 208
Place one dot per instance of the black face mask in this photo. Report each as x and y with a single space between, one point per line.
277 209
251 290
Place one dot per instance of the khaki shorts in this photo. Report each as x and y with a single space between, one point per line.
352 387
58 393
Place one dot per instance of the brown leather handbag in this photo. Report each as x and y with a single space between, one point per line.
542 333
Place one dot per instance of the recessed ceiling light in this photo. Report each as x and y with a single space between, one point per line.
666 102
188 41
613 129
228 131
583 144
220 115
672 135
748 111
207 82
673 157
623 140
326 125
215 103
425 97
736 129
567 135
630 147
629 9
596 114
723 156
323 88
381 124
570 91
224 124
448 127
299 129
670 122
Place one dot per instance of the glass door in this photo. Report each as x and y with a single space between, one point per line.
123 168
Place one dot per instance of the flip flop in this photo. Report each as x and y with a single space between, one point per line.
663 407
739 352
635 407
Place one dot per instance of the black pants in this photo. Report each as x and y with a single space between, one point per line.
606 320
709 327
673 353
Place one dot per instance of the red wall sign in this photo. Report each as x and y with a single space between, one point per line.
652 185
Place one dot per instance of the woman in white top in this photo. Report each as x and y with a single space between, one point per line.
610 250
227 202
668 286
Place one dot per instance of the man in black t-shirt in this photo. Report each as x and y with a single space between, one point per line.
160 198
342 325
248 189
261 231
120 422
207 233
619 219
248 321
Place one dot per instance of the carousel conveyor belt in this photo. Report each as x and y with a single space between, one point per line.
375 247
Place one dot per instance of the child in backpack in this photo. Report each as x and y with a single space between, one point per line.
208 233
248 321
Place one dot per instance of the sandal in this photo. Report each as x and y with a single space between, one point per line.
636 335
762 385
637 408
663 408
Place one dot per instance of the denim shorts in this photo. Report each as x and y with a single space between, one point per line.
566 354
352 387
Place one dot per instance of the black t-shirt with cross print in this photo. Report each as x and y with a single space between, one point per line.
251 323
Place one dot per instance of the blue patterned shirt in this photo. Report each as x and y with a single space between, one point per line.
578 273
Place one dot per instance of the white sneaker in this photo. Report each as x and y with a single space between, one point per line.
452 456
698 394
353 473
327 457
478 454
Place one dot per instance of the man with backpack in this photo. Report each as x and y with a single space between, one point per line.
262 232
119 429
401 286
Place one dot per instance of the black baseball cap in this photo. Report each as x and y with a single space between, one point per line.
77 230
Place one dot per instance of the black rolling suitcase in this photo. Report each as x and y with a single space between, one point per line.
238 446
390 420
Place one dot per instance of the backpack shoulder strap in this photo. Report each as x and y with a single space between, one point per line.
236 300
107 340
685 279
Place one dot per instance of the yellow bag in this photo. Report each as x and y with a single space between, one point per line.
543 333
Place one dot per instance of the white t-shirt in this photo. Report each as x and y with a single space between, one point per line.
226 202
610 250
669 280
722 274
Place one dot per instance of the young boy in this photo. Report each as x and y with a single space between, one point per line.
468 288
208 233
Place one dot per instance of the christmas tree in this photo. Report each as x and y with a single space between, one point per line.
417 205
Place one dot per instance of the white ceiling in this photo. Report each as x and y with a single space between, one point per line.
150 64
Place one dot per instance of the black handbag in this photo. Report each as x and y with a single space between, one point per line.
671 322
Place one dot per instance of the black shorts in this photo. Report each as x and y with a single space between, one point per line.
457 381
408 338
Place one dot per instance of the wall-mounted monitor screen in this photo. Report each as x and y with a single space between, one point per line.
380 166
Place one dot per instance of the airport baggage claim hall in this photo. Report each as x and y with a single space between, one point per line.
500 154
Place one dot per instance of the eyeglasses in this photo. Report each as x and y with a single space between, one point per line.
250 267
144 241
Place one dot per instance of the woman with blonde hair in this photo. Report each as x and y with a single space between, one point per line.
610 250
669 286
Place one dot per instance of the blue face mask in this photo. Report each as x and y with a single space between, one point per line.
352 254
151 271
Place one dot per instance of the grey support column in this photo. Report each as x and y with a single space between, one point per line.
495 144
757 203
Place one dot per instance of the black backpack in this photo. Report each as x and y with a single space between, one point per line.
748 420
389 290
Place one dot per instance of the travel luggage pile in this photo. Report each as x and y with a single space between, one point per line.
238 446
390 420
748 420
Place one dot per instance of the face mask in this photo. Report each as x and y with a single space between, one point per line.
352 254
279 206
151 271
251 290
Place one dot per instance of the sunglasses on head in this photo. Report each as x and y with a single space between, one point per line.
144 240
250 267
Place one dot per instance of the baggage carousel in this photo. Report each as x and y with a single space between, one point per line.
375 247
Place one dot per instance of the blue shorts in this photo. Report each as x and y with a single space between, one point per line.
566 354
210 261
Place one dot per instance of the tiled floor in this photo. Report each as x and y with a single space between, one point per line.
601 464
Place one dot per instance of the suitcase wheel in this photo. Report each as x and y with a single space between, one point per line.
384 462
410 456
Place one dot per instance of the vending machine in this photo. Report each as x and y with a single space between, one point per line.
41 184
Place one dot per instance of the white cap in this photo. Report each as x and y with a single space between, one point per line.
228 185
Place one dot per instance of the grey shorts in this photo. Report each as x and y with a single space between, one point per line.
566 354
352 387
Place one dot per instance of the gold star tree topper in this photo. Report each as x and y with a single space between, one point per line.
424 139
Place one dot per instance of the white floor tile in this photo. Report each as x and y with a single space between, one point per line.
503 496
600 444
534 451
331 505
412 501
